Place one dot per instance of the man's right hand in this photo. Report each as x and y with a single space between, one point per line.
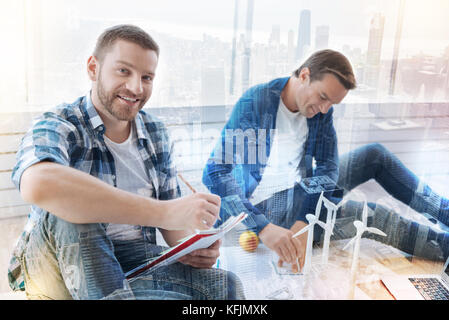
280 241
195 211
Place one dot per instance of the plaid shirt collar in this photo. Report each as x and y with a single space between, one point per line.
92 117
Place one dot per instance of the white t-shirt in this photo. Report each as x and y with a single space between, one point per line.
281 171
131 176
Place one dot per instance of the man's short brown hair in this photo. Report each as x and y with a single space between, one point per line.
329 61
125 32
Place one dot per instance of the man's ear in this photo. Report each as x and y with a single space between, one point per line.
304 75
93 68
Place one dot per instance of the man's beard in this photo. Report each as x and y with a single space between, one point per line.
124 113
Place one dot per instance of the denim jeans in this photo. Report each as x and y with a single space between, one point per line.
373 161
63 260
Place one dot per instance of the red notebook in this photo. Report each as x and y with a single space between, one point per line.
199 240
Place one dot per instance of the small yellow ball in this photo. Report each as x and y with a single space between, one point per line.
249 241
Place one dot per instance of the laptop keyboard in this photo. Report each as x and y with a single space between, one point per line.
430 288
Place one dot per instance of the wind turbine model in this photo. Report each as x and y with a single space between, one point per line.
330 222
312 219
328 227
361 227
332 217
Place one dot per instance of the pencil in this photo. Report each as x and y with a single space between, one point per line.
186 183
191 188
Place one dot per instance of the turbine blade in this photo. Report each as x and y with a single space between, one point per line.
327 227
342 202
329 204
302 230
322 224
376 231
365 214
334 217
311 218
349 243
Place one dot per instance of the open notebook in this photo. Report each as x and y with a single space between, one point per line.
199 240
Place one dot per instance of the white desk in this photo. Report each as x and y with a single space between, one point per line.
332 281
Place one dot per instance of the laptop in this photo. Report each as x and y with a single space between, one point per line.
419 287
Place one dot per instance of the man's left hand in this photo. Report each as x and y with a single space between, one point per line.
296 267
203 258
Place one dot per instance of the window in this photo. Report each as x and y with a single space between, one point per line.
213 50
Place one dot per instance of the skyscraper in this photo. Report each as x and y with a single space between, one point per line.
275 36
247 49
446 86
372 67
303 44
397 41
321 37
212 86
291 47
234 47
34 61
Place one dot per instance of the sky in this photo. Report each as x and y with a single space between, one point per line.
425 28
425 22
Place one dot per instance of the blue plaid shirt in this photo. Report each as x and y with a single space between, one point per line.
72 135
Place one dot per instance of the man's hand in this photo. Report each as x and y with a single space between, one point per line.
302 238
195 211
280 241
203 258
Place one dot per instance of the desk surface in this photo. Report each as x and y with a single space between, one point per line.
263 280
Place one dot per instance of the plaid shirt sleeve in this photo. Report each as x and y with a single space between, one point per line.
47 140
326 148
219 173
169 189
323 147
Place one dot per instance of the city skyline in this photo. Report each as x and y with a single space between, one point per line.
52 53
218 17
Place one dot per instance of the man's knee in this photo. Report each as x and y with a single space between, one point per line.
235 287
376 150
64 232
